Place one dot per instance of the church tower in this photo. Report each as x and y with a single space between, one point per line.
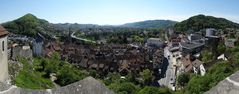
3 55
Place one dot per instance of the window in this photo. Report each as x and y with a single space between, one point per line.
3 46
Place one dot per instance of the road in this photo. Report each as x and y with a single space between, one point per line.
169 74
82 39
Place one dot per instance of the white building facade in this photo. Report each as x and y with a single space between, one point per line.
3 55
37 47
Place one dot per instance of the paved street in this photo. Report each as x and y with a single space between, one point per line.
168 68
82 39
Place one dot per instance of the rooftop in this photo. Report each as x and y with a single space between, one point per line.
197 63
188 45
3 31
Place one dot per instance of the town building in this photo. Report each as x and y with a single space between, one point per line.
111 58
210 32
190 48
222 57
175 40
3 55
230 43
155 42
193 37
170 32
198 67
158 58
191 64
21 51
211 38
38 47
186 63
196 38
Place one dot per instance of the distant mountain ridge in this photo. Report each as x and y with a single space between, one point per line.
141 24
65 26
150 24
31 25
199 22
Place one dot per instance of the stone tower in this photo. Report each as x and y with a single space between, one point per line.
3 55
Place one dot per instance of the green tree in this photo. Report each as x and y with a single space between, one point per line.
218 72
154 90
183 79
36 75
112 78
221 48
138 39
206 56
30 78
198 84
124 88
199 22
146 76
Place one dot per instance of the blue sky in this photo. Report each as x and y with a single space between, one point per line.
117 11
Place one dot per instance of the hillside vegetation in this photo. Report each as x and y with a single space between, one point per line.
199 22
28 25
37 74
150 24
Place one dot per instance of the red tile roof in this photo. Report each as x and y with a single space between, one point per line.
187 63
3 31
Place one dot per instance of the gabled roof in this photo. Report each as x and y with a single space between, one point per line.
187 63
197 63
3 31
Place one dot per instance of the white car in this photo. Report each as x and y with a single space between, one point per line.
160 71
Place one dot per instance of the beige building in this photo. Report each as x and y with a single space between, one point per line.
3 55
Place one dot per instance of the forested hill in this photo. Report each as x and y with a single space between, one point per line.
28 25
150 24
199 22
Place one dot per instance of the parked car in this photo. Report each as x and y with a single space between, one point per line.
160 71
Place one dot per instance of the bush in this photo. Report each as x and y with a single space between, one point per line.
154 90
124 88
218 72
29 78
37 74
183 79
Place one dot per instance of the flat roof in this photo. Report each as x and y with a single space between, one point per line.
188 45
